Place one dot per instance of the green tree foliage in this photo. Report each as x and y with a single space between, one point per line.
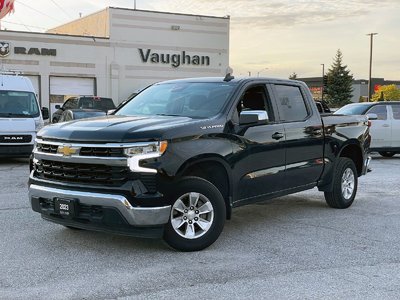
293 76
339 89
387 93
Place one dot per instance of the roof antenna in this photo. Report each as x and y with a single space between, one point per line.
228 76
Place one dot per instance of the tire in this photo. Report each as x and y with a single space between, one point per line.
387 153
345 182
197 216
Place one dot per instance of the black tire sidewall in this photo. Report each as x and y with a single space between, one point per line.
343 164
387 153
199 185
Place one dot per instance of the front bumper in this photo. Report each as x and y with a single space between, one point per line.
16 150
112 206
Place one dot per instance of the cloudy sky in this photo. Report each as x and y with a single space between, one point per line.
270 37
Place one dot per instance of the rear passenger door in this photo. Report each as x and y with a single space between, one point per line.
304 143
396 125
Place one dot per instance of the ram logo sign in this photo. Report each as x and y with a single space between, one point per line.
4 49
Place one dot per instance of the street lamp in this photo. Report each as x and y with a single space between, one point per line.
322 87
258 73
370 64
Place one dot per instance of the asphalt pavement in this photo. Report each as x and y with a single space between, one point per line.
293 247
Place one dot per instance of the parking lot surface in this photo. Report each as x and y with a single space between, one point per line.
293 247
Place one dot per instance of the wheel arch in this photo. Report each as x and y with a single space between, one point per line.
353 151
213 169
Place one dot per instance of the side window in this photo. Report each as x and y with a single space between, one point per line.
290 103
254 98
74 103
380 111
396 112
67 104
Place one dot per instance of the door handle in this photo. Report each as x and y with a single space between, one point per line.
277 135
385 125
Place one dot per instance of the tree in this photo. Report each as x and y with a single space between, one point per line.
293 76
386 93
339 88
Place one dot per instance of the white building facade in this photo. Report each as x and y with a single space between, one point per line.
115 52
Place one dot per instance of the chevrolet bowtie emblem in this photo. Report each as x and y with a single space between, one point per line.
67 150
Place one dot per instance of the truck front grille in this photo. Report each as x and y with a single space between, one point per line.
84 151
47 148
82 173
102 152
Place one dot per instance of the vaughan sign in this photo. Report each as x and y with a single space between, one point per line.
174 60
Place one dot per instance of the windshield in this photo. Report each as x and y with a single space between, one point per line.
352 109
186 99
18 104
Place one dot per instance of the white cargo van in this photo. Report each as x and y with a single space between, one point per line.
20 116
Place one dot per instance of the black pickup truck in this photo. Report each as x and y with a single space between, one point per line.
173 161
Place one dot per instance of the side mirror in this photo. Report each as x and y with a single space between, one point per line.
248 117
45 113
58 106
372 116
110 111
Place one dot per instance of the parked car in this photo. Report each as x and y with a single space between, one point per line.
175 160
75 114
20 116
86 102
385 124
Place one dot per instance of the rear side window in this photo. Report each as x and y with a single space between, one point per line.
380 111
396 112
97 103
291 103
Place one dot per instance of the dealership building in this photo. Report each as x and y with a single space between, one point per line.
116 52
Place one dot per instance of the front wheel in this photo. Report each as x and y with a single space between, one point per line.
387 153
345 182
197 216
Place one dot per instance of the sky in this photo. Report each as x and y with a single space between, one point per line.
272 38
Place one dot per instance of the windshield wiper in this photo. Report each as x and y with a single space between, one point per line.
14 115
170 115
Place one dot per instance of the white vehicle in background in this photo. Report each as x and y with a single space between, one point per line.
20 116
385 124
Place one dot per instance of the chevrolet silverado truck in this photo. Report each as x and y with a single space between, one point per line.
176 159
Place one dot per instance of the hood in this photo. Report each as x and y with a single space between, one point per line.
115 129
8 125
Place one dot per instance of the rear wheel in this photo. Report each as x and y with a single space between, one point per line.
197 216
387 153
345 181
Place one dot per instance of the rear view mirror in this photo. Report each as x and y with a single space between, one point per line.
372 116
253 117
45 113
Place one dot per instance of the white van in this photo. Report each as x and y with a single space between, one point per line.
20 116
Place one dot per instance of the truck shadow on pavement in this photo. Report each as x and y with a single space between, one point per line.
260 217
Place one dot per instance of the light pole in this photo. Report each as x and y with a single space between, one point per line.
322 87
258 73
370 64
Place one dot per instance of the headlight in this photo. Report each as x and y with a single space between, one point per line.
38 125
144 151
